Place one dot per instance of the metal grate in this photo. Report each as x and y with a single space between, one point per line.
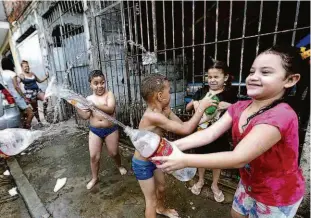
176 38
64 22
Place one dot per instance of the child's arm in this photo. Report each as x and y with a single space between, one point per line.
204 117
173 126
247 150
39 80
174 117
18 89
189 106
223 105
207 135
84 114
169 113
108 108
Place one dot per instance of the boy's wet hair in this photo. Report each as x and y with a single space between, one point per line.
152 84
95 73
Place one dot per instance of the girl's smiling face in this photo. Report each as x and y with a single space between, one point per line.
267 78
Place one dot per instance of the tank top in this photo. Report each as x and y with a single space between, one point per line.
30 83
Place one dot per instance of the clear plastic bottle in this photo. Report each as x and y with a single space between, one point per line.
14 141
150 145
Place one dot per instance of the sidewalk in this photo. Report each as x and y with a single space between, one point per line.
65 154
10 206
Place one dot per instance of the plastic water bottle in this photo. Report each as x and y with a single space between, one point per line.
150 145
14 141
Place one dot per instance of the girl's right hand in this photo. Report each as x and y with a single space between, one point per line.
207 101
175 161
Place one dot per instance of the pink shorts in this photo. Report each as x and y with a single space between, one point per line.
248 206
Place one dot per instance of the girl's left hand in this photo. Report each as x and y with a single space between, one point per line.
177 160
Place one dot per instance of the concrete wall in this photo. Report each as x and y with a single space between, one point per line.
14 9
304 209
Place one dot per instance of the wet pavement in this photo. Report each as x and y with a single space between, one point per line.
10 206
64 153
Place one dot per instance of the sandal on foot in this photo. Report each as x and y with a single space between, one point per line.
170 213
219 197
196 189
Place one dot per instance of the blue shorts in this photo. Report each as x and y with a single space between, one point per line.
103 132
143 170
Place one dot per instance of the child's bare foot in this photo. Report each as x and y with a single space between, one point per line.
171 213
122 171
92 183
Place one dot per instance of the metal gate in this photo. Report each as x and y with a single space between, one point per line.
181 38
67 46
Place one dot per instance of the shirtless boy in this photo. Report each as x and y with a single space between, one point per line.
158 118
100 128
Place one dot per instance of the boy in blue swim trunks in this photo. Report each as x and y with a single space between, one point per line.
100 128
159 118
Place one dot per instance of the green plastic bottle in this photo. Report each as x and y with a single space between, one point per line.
212 109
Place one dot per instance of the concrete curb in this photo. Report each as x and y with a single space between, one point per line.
31 199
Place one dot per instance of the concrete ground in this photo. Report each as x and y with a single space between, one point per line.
64 153
10 206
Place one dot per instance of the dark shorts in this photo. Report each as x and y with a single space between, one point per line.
103 132
143 170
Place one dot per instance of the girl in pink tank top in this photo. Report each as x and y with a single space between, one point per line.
265 137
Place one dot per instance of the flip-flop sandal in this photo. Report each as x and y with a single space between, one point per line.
168 215
196 190
219 197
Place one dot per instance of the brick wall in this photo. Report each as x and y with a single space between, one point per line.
14 9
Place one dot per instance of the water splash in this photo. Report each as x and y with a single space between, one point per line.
14 141
76 100
147 56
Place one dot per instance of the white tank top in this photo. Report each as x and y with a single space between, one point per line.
7 77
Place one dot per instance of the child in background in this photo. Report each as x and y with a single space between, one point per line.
100 128
219 84
265 136
158 118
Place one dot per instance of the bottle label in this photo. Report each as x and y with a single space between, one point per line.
164 149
